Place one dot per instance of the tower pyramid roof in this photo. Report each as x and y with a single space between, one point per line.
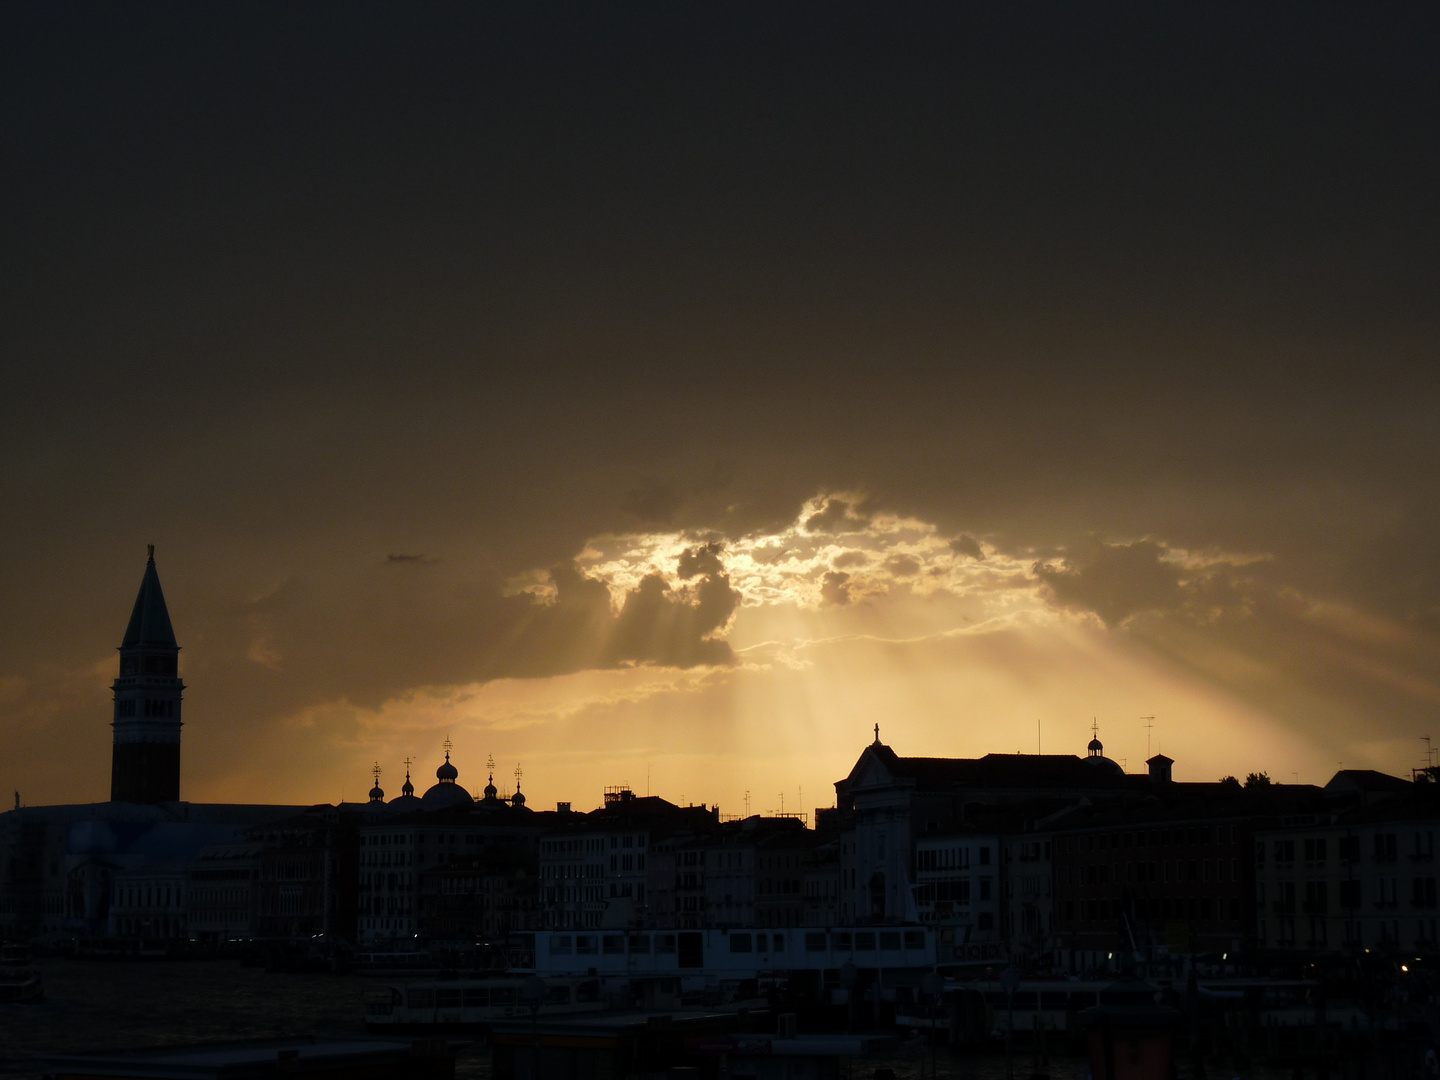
150 618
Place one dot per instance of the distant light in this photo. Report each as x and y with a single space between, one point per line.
1224 956
1404 968
1110 956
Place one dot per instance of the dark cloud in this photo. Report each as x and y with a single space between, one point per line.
835 516
835 588
850 558
654 503
406 560
703 559
657 627
757 238
968 546
769 554
1115 582
902 566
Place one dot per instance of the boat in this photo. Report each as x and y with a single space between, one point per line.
20 984
472 1002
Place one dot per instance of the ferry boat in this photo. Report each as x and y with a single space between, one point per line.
21 984
394 960
471 1002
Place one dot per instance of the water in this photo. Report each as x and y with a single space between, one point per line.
97 1006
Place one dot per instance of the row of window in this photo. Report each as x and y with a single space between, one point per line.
1383 848
152 708
1316 894
950 858
149 896
1195 834
1159 871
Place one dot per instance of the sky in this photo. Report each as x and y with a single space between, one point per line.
664 395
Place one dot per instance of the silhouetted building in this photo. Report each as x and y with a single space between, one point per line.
595 868
145 761
1353 879
306 875
400 898
223 893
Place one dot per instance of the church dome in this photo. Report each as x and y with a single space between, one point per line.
446 792
1103 764
518 799
1095 757
377 794
490 789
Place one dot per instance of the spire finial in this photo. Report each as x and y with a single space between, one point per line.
877 734
408 762
490 762
448 745
519 772
150 552
375 772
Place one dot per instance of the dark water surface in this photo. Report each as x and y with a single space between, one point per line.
94 1006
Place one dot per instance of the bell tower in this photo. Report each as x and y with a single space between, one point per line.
145 764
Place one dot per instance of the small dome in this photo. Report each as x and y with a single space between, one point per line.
1096 747
447 773
518 799
408 790
490 790
376 794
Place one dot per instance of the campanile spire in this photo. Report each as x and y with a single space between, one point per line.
145 763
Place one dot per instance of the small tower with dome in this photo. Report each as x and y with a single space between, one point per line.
377 795
1095 753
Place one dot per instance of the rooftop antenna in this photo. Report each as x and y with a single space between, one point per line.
1429 751
1038 751
1149 725
747 802
647 779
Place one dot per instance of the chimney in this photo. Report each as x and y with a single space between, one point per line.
1160 769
